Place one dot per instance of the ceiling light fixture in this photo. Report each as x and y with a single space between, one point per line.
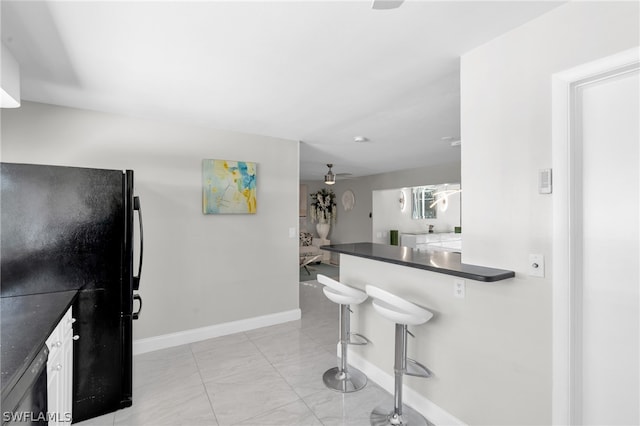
360 139
330 178
10 83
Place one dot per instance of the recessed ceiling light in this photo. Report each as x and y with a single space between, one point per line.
360 139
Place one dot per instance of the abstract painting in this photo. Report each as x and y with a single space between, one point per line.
228 187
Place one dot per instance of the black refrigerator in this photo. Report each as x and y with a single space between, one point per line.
71 228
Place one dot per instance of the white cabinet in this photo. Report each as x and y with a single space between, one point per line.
60 372
447 241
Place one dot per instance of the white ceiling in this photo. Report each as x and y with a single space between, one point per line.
320 72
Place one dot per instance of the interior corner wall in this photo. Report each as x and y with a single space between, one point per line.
355 225
506 107
199 270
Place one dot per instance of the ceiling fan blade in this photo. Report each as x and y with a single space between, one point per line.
386 4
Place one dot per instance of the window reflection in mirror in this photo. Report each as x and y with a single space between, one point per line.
424 202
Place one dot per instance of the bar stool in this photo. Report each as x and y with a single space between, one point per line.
344 378
403 313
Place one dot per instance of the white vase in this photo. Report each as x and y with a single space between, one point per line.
323 230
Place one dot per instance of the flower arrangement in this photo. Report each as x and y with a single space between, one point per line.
323 206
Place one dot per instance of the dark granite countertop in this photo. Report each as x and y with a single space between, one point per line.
449 263
25 324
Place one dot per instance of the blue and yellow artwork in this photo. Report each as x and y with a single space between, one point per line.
228 187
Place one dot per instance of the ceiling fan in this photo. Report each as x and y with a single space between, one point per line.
330 177
386 4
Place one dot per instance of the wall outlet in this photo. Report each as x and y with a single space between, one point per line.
459 289
536 265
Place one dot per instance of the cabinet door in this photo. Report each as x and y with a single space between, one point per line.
54 387
60 373
408 240
67 379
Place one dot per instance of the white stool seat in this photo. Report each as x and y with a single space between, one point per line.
341 298
399 317
340 293
397 309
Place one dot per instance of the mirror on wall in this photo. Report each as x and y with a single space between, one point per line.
415 211
438 205
423 202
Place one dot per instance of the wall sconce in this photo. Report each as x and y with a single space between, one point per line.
401 200
10 84
442 198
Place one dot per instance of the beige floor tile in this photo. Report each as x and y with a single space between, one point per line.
237 401
168 406
296 413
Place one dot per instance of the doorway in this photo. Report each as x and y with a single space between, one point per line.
596 297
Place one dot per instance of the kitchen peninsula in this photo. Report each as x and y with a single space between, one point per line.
468 303
449 263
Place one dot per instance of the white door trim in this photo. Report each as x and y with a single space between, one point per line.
566 220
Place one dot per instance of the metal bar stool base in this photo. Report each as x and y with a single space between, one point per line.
383 415
347 381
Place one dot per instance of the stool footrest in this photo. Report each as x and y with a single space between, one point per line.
414 368
359 339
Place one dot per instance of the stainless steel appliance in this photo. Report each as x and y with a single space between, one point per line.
26 402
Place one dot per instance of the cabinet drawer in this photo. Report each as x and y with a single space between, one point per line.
427 238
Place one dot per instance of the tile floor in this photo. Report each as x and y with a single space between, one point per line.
269 376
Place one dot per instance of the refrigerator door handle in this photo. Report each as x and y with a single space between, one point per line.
136 315
136 206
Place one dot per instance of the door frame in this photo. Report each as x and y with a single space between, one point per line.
566 295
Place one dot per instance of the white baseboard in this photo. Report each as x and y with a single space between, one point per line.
164 341
413 399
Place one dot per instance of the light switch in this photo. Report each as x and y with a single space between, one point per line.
545 181
536 265
292 232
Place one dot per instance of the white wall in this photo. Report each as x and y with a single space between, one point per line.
506 133
199 270
387 214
